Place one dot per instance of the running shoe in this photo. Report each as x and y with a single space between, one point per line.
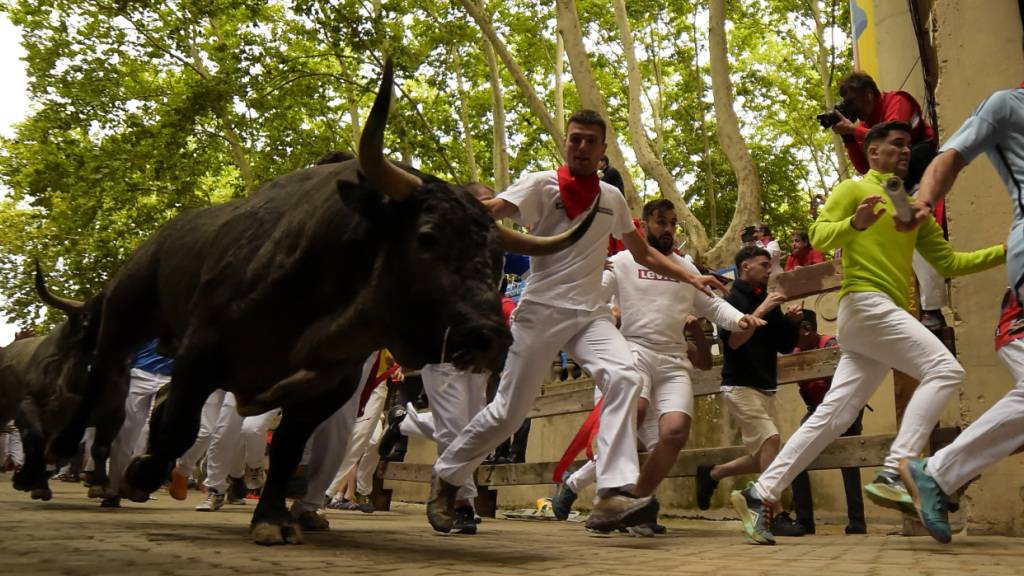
754 513
888 491
929 499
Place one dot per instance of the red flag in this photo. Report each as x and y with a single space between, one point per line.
580 442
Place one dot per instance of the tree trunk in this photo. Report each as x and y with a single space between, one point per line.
355 124
709 175
648 160
467 134
748 195
536 104
559 71
825 71
590 94
500 152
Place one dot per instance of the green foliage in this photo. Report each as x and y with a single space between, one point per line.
144 109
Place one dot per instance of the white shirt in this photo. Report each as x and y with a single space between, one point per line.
571 278
654 308
775 251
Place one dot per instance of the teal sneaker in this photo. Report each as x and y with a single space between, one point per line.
754 514
929 499
562 501
887 490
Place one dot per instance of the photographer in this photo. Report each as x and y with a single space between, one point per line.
865 104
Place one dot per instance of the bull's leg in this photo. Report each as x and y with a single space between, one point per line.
108 419
32 476
271 521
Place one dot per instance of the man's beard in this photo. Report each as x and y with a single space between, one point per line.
664 243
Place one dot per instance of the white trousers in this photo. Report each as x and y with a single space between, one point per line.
132 438
538 331
10 445
995 435
252 448
455 397
875 336
328 444
219 433
366 427
931 284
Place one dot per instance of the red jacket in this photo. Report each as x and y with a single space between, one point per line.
812 257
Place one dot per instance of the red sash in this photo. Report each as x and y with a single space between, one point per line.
374 380
582 440
577 192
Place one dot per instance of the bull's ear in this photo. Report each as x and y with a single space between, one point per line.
360 199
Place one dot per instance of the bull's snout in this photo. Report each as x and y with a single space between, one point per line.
482 346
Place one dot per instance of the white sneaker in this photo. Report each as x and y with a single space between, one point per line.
214 501
255 478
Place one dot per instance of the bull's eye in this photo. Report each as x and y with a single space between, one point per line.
427 239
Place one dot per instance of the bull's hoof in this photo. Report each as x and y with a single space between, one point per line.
101 491
144 474
268 534
22 482
44 493
134 495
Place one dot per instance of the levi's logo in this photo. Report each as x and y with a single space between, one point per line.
645 274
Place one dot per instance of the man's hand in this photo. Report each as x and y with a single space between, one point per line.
706 283
919 212
770 303
844 126
750 321
866 215
608 265
795 313
398 375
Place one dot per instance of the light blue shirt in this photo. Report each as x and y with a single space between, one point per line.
999 121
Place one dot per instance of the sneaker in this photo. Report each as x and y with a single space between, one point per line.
620 508
929 499
756 517
441 504
312 521
255 478
706 486
393 432
364 504
214 501
338 503
888 491
178 488
562 501
657 528
236 491
784 525
641 530
900 200
465 520
111 502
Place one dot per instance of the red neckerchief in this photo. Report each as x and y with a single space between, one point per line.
577 193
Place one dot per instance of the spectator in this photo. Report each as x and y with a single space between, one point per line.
801 253
610 174
813 393
763 239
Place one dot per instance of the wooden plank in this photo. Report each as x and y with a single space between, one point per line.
808 280
791 368
849 451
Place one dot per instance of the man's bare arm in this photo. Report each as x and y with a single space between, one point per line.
501 208
650 258
935 184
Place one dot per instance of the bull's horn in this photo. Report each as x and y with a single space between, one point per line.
382 174
529 245
64 304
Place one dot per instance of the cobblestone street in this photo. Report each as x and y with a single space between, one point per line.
71 535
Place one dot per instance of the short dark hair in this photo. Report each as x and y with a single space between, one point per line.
588 117
857 82
655 206
604 158
748 252
881 132
811 318
763 228
803 235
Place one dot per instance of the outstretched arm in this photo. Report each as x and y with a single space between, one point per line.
650 258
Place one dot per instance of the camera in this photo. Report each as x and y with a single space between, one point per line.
831 118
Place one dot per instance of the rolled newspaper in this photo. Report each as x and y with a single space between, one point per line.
899 198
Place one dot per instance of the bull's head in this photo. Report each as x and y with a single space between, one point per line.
444 259
66 354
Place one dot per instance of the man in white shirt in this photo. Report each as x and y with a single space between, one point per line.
562 309
654 310
764 239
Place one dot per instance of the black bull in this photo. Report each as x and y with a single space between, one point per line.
281 296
